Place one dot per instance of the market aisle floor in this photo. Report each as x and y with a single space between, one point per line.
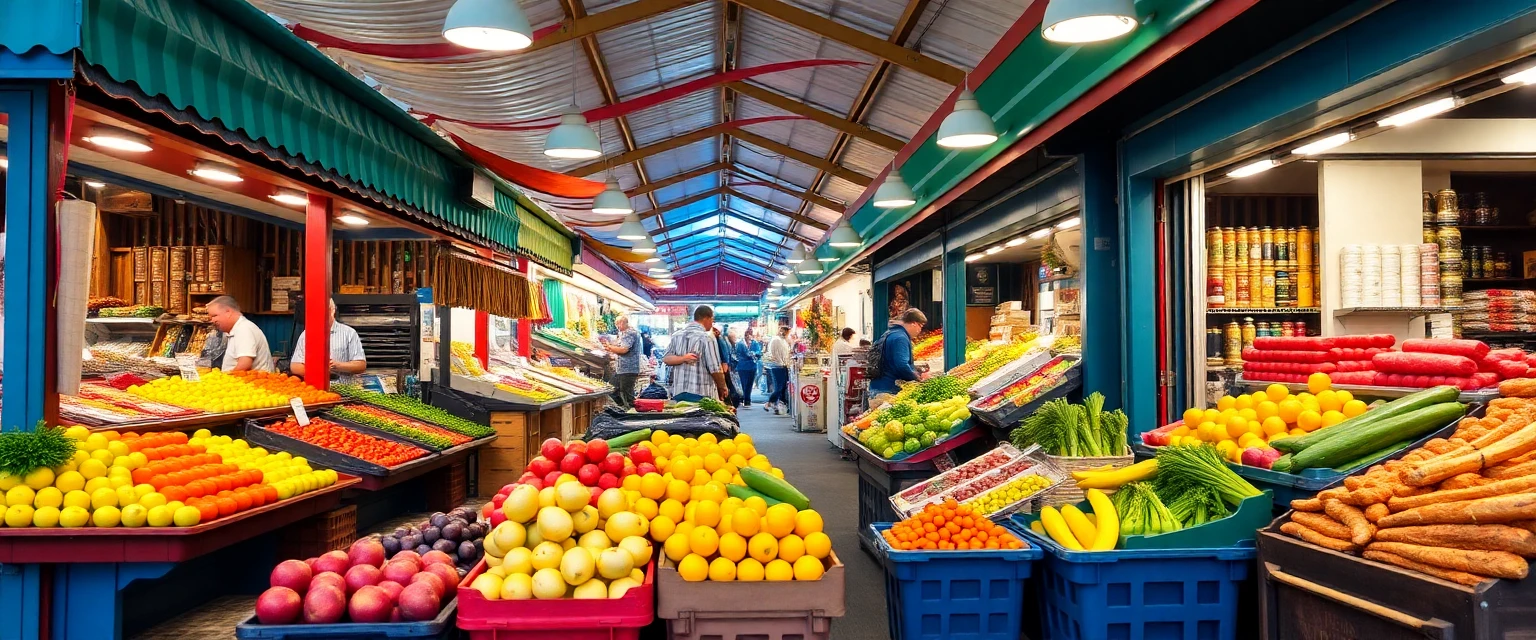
832 484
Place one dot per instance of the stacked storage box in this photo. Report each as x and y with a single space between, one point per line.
1010 320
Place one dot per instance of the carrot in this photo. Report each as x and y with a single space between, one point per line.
1506 470
1367 496
1433 471
1504 508
1472 537
1508 428
1310 504
1322 524
1316 538
1403 490
1522 458
1528 525
1376 512
1461 482
1516 388
1332 494
1360 528
1499 564
1459 577
1438 445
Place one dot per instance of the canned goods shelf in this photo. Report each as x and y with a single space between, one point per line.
1414 311
1263 310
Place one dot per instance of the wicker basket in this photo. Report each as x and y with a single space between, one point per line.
1067 492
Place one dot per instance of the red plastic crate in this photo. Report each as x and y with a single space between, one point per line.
568 619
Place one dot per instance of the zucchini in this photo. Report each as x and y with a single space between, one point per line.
1406 404
1376 435
766 484
1379 453
738 491
622 442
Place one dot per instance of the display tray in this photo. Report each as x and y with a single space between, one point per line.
962 434
374 431
204 420
500 400
1007 415
253 629
257 434
433 462
1480 396
163 544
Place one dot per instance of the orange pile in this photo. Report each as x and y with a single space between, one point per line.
949 525
284 384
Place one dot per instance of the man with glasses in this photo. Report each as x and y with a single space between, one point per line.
896 353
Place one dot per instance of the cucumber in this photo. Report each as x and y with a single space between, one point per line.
1406 404
1384 451
623 441
1281 464
738 491
1376 435
766 484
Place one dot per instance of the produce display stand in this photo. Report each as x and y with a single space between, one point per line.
519 428
940 594
1003 418
1308 591
564 618
192 423
372 477
439 627
707 610
1479 396
879 479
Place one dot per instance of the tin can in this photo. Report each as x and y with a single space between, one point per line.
1449 238
1489 269
1213 347
1287 249
1240 247
1215 289
1267 284
1232 343
1429 208
1228 246
1287 329
1282 288
1255 245
1304 288
1250 331
1266 244
1213 249
1430 237
1304 246
1474 261
1240 291
1256 284
1447 209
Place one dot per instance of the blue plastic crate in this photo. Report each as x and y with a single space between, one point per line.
439 627
954 594
1148 594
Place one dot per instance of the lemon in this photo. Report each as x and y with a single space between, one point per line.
781 520
1353 408
747 524
764 547
676 547
749 570
818 545
77 498
670 508
1276 392
733 547
703 541
756 503
72 517
92 469
94 442
1319 382
693 568
48 497
70 481
135 515
77 432
103 497
653 486
186 517
706 513
20 494
646 507
117 448
8 481
159 516
102 455
1331 418
791 547
779 571
106 517
662 527
18 515
45 517
678 490
141 490
126 496
38 478
807 522
1329 401
807 568
722 570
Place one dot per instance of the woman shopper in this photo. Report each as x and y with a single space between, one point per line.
777 361
746 367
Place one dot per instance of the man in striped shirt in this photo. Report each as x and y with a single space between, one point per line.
694 356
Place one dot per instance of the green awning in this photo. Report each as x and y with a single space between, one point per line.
227 62
544 242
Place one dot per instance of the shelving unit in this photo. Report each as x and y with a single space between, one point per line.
1240 311
1408 311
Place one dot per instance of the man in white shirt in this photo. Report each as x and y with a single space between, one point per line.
245 346
777 361
347 358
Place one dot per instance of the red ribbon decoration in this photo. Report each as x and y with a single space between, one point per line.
541 180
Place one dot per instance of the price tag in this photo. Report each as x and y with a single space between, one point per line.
187 364
298 411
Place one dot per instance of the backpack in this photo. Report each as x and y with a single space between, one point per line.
874 360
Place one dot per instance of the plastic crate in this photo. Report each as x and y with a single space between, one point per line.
750 610
876 486
1238 528
567 619
1147 594
1006 416
439 627
955 594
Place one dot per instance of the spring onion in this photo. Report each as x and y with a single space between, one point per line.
1186 468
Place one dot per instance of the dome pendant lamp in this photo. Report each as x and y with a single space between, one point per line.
967 126
843 236
809 267
612 200
797 256
825 253
790 280
572 138
1083 21
488 25
631 229
644 246
894 192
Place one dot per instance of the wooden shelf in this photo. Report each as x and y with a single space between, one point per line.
1497 279
1263 310
1401 311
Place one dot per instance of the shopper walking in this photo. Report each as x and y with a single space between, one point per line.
777 361
727 366
629 348
891 355
746 366
694 356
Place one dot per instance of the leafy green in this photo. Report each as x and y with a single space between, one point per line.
23 451
1064 429
1198 506
1188 468
1142 512
938 388
414 408
714 406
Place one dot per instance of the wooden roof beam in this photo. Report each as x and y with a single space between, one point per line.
873 45
764 226
805 220
801 157
574 27
808 196
650 150
673 227
682 203
677 179
786 103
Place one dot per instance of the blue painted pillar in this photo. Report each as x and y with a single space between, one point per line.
1138 321
954 304
1102 303
880 297
29 224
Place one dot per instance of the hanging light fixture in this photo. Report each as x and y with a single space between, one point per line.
118 139
572 139
352 219
844 236
488 25
290 197
612 200
797 256
5 163
790 280
94 184
217 172
894 192
809 268
1080 21
825 253
652 259
631 229
967 126
644 246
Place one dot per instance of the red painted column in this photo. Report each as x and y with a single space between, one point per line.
317 292
525 325
483 323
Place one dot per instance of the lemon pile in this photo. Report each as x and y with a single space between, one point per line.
291 475
1255 420
748 541
214 392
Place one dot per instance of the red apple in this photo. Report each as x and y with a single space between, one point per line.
506 489
448 574
629 470
393 589
554 476
486 509
497 517
596 491
499 500
408 554
588 474
432 579
324 605
537 483
399 571
552 449
366 551
435 557
293 574
334 562
612 463
363 575
419 602
572 463
279 605
370 604
328 578
597 450
641 453
644 468
311 562
541 466
607 481
578 447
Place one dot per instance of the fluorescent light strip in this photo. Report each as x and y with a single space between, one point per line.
1418 113
1252 168
1319 146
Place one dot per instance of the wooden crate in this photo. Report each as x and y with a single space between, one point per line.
335 529
517 441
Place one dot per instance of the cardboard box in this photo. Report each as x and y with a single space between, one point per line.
1011 305
287 283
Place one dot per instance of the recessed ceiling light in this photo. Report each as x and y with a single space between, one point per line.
993 250
1069 223
1040 233
118 139
290 197
352 220
1523 76
216 172
1252 168
974 257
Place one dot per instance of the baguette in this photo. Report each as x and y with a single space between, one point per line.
1310 504
1313 537
1361 529
1472 537
1459 577
1433 471
1376 512
1497 509
1499 564
1462 481
1323 524
1523 484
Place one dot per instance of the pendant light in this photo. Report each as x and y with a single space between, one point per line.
894 192
844 236
797 256
488 25
967 126
825 253
644 246
572 139
631 229
612 200
809 268
1081 21
117 139
790 280
652 259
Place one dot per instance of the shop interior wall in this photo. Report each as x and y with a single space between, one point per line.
852 297
1366 202
914 290
1013 284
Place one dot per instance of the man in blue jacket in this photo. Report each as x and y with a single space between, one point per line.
896 353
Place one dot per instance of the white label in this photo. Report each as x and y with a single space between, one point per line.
187 364
299 412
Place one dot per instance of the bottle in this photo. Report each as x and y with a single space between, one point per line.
1250 331
1482 214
